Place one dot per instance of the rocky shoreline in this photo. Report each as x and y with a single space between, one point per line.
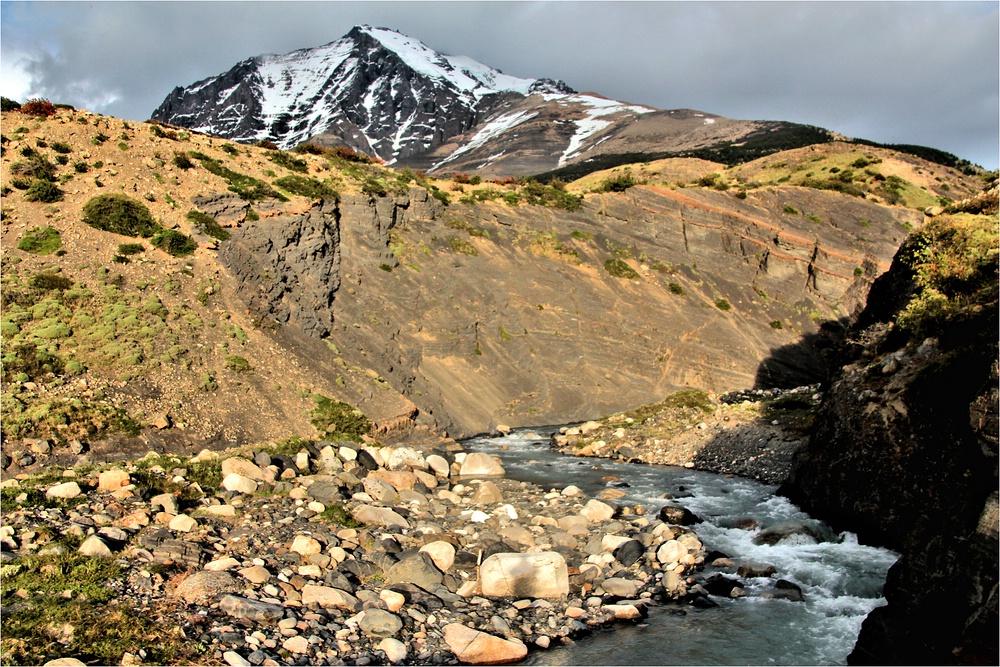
750 433
336 553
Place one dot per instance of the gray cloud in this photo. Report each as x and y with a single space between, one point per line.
922 73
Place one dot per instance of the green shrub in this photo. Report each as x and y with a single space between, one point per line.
335 418
7 104
130 248
247 187
775 324
620 269
119 214
288 161
208 224
229 148
954 260
581 236
304 186
696 399
675 288
40 241
619 183
182 161
44 192
722 304
174 242
81 167
61 147
791 210
462 246
37 166
48 281
238 364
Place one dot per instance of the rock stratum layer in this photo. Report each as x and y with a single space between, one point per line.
486 314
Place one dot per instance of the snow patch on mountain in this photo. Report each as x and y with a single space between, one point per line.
493 128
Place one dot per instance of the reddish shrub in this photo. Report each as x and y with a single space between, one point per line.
38 107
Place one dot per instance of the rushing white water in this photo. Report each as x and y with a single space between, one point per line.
841 580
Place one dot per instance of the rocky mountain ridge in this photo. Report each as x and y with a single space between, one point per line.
390 96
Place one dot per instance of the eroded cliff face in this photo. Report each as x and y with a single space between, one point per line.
487 314
904 453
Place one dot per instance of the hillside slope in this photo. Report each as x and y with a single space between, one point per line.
324 275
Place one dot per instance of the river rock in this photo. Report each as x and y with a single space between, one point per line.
112 480
234 659
619 587
94 546
65 490
327 596
166 502
378 516
597 512
296 644
439 465
623 612
240 466
236 482
479 464
487 494
750 570
395 650
670 551
788 533
183 523
380 623
442 553
305 545
201 587
532 575
418 569
677 515
65 662
473 647
253 610
629 552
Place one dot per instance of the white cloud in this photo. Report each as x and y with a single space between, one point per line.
15 82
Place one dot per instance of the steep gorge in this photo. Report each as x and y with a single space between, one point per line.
904 453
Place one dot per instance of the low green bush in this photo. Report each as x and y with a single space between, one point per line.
40 241
119 214
304 186
174 242
44 192
620 269
335 418
208 224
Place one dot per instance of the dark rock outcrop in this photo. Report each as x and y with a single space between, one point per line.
904 453
289 266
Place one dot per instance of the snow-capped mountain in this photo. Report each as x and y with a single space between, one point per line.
389 95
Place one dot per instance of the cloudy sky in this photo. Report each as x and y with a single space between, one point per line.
896 72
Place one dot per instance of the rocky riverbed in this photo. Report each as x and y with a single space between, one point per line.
326 553
751 433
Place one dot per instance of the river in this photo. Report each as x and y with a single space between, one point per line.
841 580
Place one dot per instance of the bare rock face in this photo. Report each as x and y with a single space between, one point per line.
905 454
288 266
